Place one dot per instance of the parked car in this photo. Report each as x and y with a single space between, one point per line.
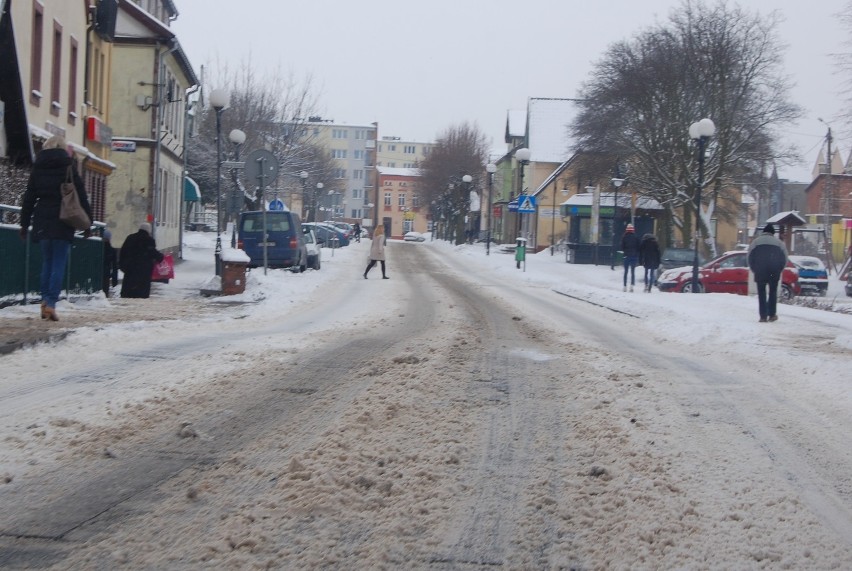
284 242
849 284
327 234
414 237
313 246
728 273
678 257
813 275
345 227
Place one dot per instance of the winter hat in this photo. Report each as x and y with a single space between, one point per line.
769 229
630 228
146 227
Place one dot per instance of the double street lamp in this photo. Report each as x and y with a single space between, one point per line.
700 132
237 137
219 99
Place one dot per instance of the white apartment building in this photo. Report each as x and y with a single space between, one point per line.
395 153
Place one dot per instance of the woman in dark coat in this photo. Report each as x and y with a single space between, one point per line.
136 259
40 207
649 256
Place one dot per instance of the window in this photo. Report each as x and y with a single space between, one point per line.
360 134
358 155
37 48
339 173
410 149
403 183
357 193
56 70
338 153
339 134
72 84
415 201
387 199
388 183
358 174
400 199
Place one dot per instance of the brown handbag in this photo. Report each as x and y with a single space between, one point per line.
71 212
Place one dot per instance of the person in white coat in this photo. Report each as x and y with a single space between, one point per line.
377 252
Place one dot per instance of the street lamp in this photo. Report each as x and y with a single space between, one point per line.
219 99
700 132
490 168
304 176
616 182
467 179
236 137
523 157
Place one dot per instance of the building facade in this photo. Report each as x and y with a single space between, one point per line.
147 98
400 208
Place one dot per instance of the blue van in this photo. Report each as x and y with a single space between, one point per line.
285 244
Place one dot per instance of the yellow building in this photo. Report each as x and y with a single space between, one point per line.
147 100
45 90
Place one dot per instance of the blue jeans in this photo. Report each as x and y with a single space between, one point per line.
649 276
54 256
630 262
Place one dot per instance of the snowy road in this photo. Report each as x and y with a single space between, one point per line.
438 420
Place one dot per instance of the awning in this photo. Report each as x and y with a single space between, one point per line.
191 192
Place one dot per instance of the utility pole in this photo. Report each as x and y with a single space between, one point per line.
827 192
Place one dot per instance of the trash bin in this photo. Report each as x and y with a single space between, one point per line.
234 264
233 277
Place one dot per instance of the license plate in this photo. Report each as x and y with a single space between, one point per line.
268 244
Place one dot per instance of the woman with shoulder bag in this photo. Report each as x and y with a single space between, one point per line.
41 206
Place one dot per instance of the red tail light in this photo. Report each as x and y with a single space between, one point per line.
294 243
239 244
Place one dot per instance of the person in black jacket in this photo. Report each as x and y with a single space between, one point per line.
136 259
767 257
110 276
649 256
40 206
630 248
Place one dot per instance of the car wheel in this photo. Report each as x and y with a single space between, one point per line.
786 293
687 287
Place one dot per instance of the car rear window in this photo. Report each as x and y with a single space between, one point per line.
254 223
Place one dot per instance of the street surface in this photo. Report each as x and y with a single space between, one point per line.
436 420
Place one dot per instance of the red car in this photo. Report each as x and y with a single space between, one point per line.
726 274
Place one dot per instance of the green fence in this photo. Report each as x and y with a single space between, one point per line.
20 267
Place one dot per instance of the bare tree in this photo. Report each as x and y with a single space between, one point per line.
271 111
844 63
460 150
707 61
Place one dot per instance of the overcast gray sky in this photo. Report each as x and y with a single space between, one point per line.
419 67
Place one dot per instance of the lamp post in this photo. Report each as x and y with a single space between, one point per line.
467 179
237 137
304 177
219 99
490 168
700 132
596 217
616 182
523 157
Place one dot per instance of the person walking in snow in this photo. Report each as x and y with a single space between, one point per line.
377 251
649 257
630 249
136 259
41 206
767 257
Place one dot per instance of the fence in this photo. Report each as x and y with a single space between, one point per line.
20 264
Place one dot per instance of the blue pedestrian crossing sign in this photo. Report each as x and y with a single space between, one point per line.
526 204
276 205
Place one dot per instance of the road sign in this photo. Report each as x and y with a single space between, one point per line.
233 164
276 205
526 204
261 168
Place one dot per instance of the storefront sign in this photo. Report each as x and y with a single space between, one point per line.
124 146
